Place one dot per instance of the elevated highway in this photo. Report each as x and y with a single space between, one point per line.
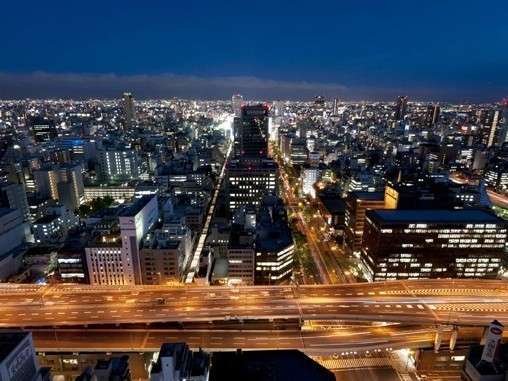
426 302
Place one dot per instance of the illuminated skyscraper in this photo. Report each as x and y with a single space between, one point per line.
251 175
503 129
401 107
432 115
236 102
251 133
128 110
493 128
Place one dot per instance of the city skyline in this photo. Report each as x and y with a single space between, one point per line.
215 191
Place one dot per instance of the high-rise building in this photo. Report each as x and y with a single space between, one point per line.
236 103
117 163
251 133
357 204
251 175
241 252
401 108
503 131
413 244
247 183
274 243
63 183
299 152
432 115
493 128
129 112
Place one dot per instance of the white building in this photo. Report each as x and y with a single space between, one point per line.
310 176
54 226
117 164
114 259
134 224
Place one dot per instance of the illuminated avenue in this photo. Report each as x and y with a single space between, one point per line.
457 302
312 341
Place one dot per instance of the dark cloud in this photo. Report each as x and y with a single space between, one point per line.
82 86
43 85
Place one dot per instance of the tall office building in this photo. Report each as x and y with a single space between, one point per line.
413 244
432 115
129 113
251 133
401 107
357 204
503 130
274 243
247 183
492 128
236 103
251 175
63 183
117 164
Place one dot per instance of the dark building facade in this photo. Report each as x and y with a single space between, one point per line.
413 244
251 132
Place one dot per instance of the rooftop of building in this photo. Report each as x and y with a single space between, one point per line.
152 241
135 207
250 165
434 216
46 219
118 366
9 341
280 365
333 204
106 240
368 196
190 363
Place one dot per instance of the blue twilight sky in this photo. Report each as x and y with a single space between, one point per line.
453 50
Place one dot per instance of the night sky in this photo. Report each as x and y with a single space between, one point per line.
445 50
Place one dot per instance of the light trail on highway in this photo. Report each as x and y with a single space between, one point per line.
311 342
460 302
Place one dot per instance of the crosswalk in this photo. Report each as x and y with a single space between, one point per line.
351 363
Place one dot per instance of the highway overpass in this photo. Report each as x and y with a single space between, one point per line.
426 302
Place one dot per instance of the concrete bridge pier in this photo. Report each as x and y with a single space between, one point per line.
453 337
438 338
